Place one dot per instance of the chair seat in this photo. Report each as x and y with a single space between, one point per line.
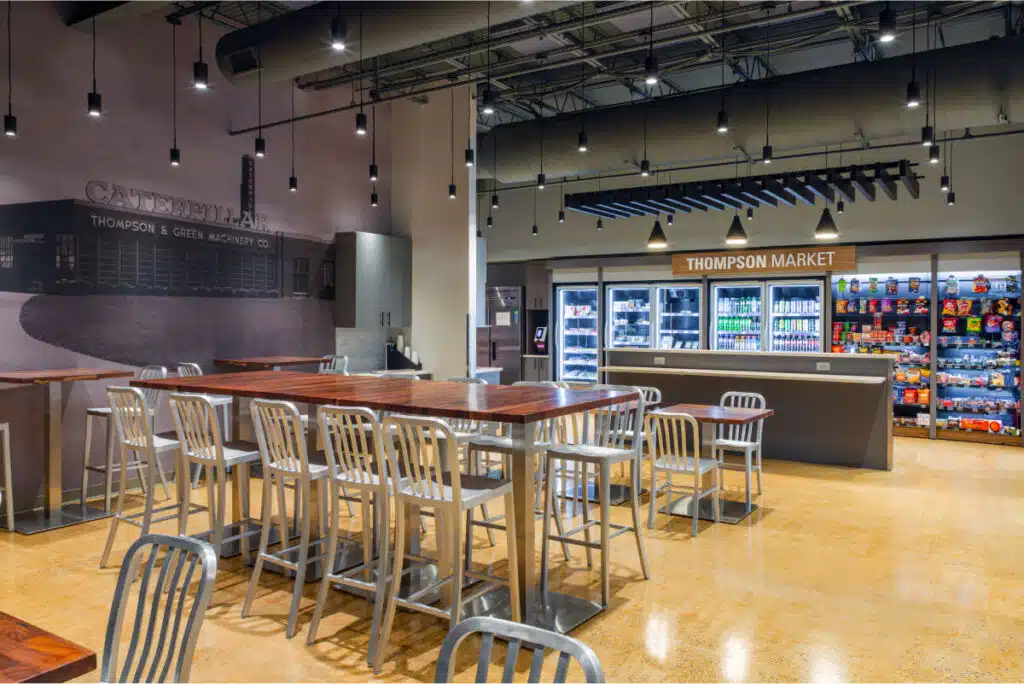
165 440
220 400
686 465
475 489
738 444
502 444
591 453
105 411
316 472
237 451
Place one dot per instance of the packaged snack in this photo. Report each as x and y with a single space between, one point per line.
877 319
924 396
996 379
842 285
872 306
887 305
974 324
862 306
903 306
1009 326
872 285
952 285
981 284
910 395
900 375
892 286
963 307
926 338
949 325
841 306
915 285
992 323
986 306
854 286
1004 307
914 375
837 349
948 307
921 305
1011 283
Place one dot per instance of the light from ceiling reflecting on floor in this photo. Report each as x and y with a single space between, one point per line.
825 668
735 658
656 637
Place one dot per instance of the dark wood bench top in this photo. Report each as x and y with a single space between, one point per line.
39 377
31 654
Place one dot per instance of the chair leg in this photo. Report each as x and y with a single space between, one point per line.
545 534
759 492
634 501
381 507
147 513
108 475
717 499
746 472
137 464
163 478
185 505
85 458
281 502
264 543
604 494
513 558
475 469
244 471
584 472
300 570
396 581
222 504
197 475
368 525
212 502
558 523
120 509
325 581
456 551
696 501
9 481
653 502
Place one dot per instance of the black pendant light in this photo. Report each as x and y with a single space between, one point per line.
944 181
840 207
490 221
750 213
600 224
950 195
581 139
645 164
261 143
451 142
175 152
826 228
337 35
736 235
10 121
651 74
95 100
886 25
494 172
561 206
913 100
767 153
373 197
374 171
200 72
360 115
722 125
534 232
933 102
541 178
293 180
657 239
670 219
470 155
488 104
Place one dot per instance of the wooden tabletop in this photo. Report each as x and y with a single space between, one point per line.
30 654
498 403
712 413
264 362
41 377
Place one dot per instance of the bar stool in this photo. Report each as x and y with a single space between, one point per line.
109 467
603 444
5 460
282 445
354 448
652 399
745 439
424 449
195 422
134 428
337 365
193 370
670 435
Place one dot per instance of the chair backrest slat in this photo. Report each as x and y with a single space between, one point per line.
332 363
162 643
750 432
483 661
670 436
195 422
152 373
422 449
189 370
281 439
352 443
613 426
536 664
130 410
511 655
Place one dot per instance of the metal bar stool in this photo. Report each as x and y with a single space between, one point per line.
744 439
194 370
670 436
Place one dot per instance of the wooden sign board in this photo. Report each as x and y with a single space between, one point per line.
765 261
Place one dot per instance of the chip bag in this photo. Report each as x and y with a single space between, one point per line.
963 306
948 307
862 306
949 325
992 323
841 305
981 284
892 286
921 305
887 305
915 285
974 324
924 396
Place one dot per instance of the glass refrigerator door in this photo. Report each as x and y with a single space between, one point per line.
736 323
678 324
794 318
577 334
629 316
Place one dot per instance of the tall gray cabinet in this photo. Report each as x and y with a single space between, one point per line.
373 281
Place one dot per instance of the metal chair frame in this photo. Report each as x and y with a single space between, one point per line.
518 635
669 436
156 654
333 363
750 434
5 461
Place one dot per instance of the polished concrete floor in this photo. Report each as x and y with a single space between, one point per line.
844 574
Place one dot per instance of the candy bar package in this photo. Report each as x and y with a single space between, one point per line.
948 307
892 286
915 285
981 284
921 305
963 307
903 307
887 305
841 306
873 285
974 324
948 325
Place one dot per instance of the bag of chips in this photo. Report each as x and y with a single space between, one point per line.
986 306
952 285
949 325
1004 307
862 306
892 286
873 285
993 323
854 286
996 379
963 307
974 324
981 284
924 396
903 307
872 306
841 306
921 305
887 305
948 307
910 395
915 285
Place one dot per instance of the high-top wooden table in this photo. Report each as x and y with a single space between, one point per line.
268 362
31 654
708 416
55 514
519 407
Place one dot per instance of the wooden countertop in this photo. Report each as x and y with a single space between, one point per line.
765 375
31 654
41 377
713 413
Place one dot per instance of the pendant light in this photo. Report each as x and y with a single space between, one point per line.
374 171
657 239
600 224
723 117
488 105
651 75
360 115
736 235
750 213
451 141
95 100
767 153
470 155
10 121
540 176
927 131
293 180
490 221
561 206
337 36
261 143
944 181
494 172
826 228
886 25
645 164
933 100
913 100
534 232
670 219
950 195
581 139
200 72
175 152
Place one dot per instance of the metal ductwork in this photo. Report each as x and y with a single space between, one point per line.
975 83
296 43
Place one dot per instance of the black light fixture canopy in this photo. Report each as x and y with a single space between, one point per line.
736 235
360 123
826 228
451 191
293 184
200 71
657 239
261 147
175 156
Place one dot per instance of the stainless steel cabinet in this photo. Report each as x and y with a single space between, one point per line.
373 276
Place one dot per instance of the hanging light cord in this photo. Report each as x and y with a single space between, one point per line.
541 125
259 74
174 83
373 116
913 40
488 44
199 16
10 86
935 82
929 93
451 133
360 57
767 91
293 128
650 37
93 52
583 63
721 43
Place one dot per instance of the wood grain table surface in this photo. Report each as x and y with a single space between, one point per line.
31 654
265 362
498 403
39 377
713 413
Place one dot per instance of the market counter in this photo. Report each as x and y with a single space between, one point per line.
832 409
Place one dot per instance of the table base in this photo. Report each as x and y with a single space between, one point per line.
729 512
560 613
33 522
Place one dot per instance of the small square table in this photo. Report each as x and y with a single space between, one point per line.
55 513
708 416
31 654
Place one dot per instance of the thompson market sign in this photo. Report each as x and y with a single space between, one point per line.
748 262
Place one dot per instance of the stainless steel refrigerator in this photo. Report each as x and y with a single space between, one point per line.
499 342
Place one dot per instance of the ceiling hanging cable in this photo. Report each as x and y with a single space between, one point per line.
471 90
927 131
766 151
581 139
360 115
494 172
200 72
913 99
840 207
293 180
561 203
374 171
10 121
95 100
600 221
645 164
175 152
451 141
736 235
261 143
540 176
944 180
934 151
534 231
337 36
723 116
651 75
950 194
488 107
826 228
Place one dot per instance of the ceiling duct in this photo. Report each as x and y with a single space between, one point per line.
808 109
296 43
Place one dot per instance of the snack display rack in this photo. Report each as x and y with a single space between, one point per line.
977 373
890 313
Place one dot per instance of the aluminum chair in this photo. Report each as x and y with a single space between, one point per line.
109 467
745 439
424 449
670 436
652 399
337 365
518 636
194 370
604 444
5 460
282 443
134 428
354 448
161 647
195 422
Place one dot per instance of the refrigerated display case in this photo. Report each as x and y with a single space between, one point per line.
578 316
977 376
737 324
794 318
677 325
629 316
